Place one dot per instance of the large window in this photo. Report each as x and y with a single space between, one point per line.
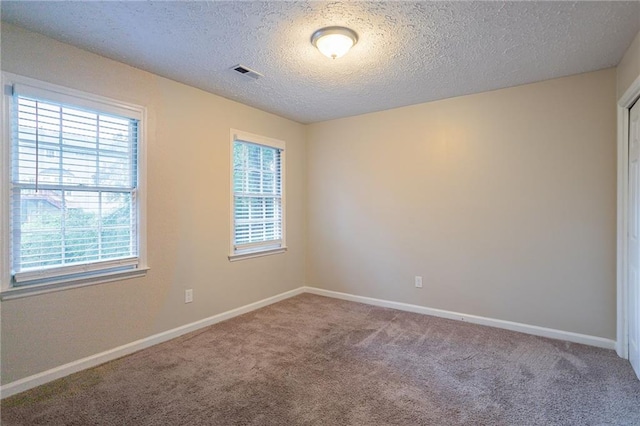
74 194
258 195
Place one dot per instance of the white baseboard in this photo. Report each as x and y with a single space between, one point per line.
91 361
551 333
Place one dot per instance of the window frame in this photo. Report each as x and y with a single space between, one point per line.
242 136
93 275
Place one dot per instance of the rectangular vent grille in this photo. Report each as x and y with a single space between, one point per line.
246 71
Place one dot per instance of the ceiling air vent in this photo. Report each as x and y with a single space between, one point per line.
246 71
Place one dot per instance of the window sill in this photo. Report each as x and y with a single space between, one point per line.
236 257
37 289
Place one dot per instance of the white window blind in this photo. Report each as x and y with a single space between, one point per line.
257 197
73 195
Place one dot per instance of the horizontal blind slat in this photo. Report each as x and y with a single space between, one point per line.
29 92
83 164
257 195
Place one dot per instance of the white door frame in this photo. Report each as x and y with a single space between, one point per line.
624 103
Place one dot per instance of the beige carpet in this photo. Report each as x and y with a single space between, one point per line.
312 360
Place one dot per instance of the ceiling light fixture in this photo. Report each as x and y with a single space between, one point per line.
334 42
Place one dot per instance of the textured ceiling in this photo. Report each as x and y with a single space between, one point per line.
408 52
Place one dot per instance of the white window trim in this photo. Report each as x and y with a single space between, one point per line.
8 80
238 135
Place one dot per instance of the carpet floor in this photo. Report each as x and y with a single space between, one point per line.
312 360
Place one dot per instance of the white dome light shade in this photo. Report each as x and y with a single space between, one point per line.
334 42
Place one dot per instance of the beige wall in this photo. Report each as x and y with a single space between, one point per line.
188 220
503 201
629 67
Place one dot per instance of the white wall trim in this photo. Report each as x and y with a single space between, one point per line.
29 86
584 339
94 360
624 103
91 361
252 138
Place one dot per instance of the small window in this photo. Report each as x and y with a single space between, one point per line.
75 197
257 181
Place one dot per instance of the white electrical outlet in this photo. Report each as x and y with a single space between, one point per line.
418 282
188 296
